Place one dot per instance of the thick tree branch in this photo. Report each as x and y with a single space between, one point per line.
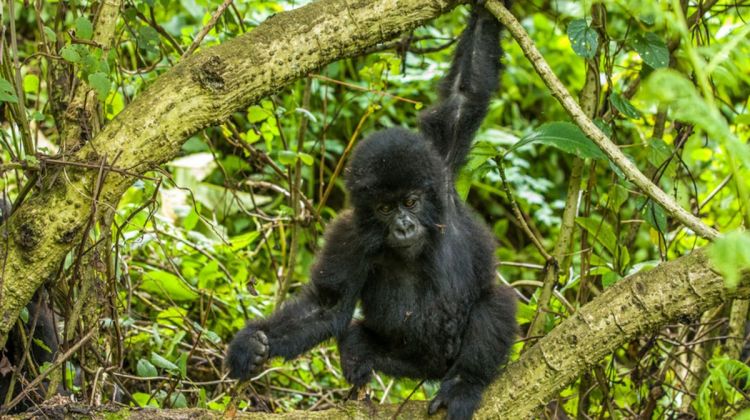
200 91
639 304
558 90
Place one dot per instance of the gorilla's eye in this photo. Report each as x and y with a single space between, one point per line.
410 202
385 208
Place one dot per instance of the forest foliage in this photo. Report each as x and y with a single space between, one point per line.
229 229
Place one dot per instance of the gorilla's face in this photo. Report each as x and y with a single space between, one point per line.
401 216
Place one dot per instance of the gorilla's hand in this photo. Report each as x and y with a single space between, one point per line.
247 353
356 371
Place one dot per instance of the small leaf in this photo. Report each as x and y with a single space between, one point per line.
145 369
30 83
652 49
601 231
564 136
84 28
618 195
7 92
287 157
70 54
256 114
306 159
624 106
50 34
100 83
655 216
162 362
583 38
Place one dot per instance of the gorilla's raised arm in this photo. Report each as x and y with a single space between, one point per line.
323 310
466 91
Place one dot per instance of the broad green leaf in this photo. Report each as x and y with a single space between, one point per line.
101 84
306 158
70 54
730 255
84 28
31 83
162 362
256 114
601 231
652 49
167 285
7 92
177 400
583 38
287 157
145 369
624 106
564 136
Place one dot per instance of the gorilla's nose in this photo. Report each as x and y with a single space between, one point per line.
404 229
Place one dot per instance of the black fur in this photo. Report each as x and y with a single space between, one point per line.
42 325
431 307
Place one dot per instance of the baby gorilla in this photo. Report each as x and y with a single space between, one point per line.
410 253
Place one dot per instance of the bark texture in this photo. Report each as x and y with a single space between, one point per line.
678 290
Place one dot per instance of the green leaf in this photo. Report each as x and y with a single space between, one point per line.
624 106
7 92
287 157
100 83
162 362
601 231
652 49
730 255
256 114
144 400
42 345
24 315
655 216
618 195
50 34
31 83
84 28
70 54
306 158
145 369
583 38
177 400
564 136
167 285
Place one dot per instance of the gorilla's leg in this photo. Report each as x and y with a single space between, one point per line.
487 340
361 352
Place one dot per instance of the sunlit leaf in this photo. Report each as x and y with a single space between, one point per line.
652 49
583 38
564 136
